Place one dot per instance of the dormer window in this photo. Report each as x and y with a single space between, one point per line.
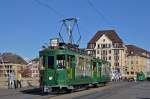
103 40
98 46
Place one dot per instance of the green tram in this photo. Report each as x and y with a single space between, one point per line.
140 76
65 68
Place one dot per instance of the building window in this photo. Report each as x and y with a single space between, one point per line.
132 73
97 51
104 58
109 51
116 52
98 46
103 46
120 45
117 64
128 73
103 52
109 57
109 45
103 40
116 58
92 46
131 62
106 52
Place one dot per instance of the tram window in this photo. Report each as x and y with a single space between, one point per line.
50 61
94 66
81 61
61 61
43 60
70 61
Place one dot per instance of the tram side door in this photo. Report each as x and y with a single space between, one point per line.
70 66
94 67
99 70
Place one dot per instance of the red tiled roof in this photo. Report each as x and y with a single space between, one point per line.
111 34
12 58
134 50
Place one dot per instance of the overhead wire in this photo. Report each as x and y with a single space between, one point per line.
50 8
99 12
60 15
54 11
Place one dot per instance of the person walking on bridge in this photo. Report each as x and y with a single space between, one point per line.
19 77
11 78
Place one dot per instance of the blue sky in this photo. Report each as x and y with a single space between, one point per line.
25 25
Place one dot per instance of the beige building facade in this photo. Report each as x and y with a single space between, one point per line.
137 61
6 68
34 67
108 46
10 62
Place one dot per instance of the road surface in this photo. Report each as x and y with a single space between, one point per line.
114 90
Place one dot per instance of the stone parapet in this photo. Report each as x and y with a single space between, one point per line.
26 82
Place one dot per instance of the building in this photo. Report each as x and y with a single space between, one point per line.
148 67
11 62
107 45
34 67
137 60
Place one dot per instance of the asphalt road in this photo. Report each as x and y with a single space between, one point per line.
114 90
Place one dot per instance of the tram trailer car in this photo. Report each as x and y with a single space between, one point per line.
140 76
66 69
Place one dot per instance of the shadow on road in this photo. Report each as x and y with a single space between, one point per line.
35 91
142 98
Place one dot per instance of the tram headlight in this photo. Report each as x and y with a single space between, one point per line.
50 78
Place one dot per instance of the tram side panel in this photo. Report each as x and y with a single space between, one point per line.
83 72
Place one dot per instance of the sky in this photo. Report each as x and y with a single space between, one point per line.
26 25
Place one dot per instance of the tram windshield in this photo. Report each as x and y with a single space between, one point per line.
60 61
50 61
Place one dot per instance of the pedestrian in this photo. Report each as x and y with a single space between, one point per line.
120 77
11 80
19 77
15 81
135 78
112 78
117 77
